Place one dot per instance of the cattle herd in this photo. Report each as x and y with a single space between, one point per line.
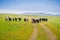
12 19
26 19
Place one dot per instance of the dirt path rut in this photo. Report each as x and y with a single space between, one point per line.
34 34
49 32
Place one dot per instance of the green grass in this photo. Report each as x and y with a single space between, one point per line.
54 25
42 35
20 30
10 30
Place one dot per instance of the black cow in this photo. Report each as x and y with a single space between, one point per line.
37 20
44 19
19 19
33 20
15 19
25 19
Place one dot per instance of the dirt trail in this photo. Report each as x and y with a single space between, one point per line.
49 32
34 34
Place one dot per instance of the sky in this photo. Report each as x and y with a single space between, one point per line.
32 6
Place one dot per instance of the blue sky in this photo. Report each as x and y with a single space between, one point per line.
46 6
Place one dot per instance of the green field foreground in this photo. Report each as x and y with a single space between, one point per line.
54 25
10 30
20 30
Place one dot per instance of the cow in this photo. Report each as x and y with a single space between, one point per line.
44 19
33 20
19 19
25 19
15 19
37 20
8 19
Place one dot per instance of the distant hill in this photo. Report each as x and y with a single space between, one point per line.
41 14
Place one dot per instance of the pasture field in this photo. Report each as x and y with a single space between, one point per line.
10 30
54 25
20 30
